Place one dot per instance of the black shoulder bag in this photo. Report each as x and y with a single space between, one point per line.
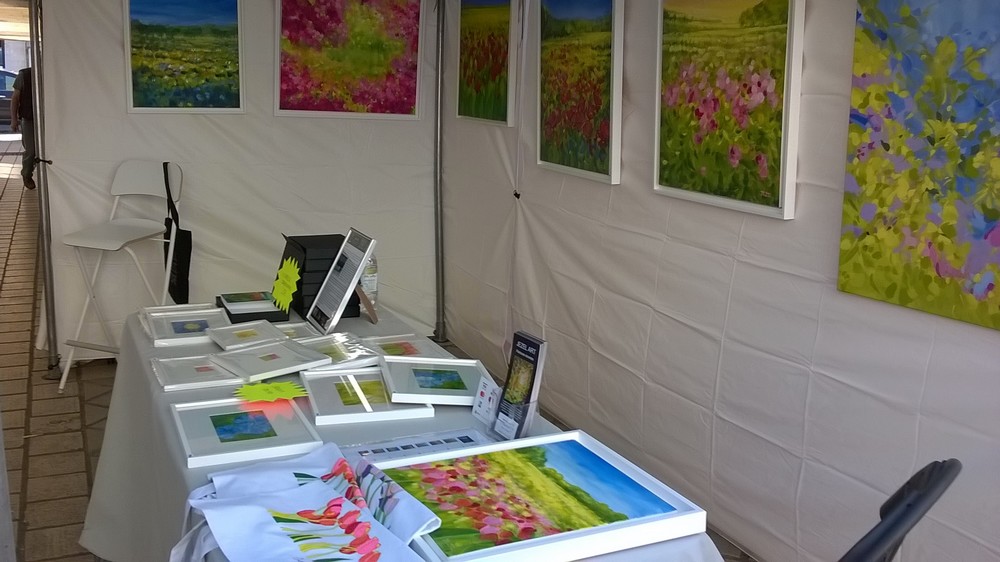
180 270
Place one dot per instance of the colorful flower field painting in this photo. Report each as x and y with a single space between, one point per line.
439 379
242 426
349 57
184 55
580 87
486 54
921 223
515 495
727 107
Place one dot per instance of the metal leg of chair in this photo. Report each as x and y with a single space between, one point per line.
91 296
145 280
93 293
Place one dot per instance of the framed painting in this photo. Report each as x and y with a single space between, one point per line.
184 56
555 497
921 218
231 430
355 396
432 380
728 103
348 58
580 87
489 32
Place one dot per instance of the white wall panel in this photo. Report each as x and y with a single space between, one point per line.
834 511
677 438
691 374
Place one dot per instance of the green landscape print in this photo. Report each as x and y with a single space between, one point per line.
521 494
575 81
185 54
483 61
721 97
374 393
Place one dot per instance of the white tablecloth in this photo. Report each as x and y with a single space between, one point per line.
137 505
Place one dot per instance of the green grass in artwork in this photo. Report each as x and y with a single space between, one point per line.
721 102
499 498
195 66
374 393
483 63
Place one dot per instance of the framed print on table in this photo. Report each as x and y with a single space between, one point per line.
186 373
556 498
187 325
184 56
231 430
489 33
580 88
728 103
407 345
431 380
348 58
355 396
269 360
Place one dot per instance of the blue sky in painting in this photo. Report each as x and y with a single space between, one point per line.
602 481
578 9
183 12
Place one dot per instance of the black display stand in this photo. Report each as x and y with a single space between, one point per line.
315 254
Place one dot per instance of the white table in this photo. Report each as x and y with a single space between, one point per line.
142 482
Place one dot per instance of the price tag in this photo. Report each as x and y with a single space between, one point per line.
286 283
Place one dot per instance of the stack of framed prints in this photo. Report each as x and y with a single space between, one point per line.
297 330
245 334
355 395
346 351
431 380
186 373
269 360
181 325
407 345
557 497
231 430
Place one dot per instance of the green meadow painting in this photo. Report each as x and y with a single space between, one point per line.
580 87
184 55
484 51
354 57
524 493
921 218
722 100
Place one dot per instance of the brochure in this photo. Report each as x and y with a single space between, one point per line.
520 391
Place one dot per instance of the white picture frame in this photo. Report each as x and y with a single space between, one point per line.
297 330
269 360
187 373
792 90
612 175
231 430
513 56
186 326
431 380
355 396
649 523
407 345
345 350
245 334
130 87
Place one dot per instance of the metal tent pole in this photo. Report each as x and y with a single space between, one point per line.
440 332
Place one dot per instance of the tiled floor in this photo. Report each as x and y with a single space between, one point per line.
52 441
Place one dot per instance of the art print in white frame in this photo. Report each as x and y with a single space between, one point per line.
431 380
580 87
728 104
582 500
184 56
231 430
348 58
488 51
355 396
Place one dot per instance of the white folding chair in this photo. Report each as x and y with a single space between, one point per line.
138 179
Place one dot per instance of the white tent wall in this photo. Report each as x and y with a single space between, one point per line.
248 177
712 347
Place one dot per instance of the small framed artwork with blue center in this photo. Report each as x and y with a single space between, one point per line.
431 380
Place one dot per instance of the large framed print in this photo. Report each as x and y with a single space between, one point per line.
489 33
555 498
184 56
231 430
348 58
341 281
430 380
407 345
580 88
921 212
355 396
186 373
728 103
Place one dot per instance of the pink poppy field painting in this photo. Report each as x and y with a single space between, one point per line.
349 57
523 493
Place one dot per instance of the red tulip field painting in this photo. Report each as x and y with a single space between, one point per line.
486 53
184 56
921 219
729 103
349 57
508 496
580 87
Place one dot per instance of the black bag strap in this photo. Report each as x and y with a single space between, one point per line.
171 207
